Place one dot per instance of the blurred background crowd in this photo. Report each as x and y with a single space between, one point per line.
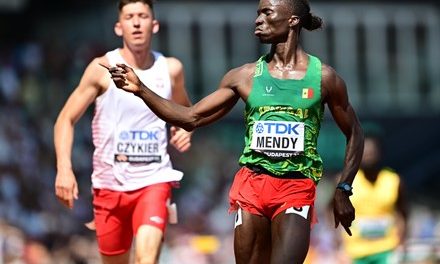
387 52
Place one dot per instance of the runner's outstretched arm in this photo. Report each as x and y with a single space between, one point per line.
206 111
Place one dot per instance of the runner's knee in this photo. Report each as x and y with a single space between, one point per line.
148 243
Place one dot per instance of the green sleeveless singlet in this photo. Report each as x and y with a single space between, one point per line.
283 118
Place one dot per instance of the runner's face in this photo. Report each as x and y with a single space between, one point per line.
371 155
272 23
137 23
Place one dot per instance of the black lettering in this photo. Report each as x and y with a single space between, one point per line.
285 142
132 147
141 148
152 148
260 142
276 142
294 140
120 147
268 142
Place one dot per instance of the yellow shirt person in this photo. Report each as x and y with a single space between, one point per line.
381 210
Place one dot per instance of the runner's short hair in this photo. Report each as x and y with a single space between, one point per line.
122 3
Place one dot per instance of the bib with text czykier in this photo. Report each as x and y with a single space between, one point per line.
137 146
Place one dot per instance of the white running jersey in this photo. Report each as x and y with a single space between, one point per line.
130 140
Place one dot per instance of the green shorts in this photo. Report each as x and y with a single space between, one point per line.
379 258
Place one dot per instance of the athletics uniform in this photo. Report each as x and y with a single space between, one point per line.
375 232
131 166
283 118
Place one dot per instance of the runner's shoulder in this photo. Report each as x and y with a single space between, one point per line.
243 72
96 74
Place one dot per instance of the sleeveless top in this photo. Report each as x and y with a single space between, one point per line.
130 140
283 118
375 229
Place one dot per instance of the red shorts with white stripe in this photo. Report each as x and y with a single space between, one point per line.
266 195
118 215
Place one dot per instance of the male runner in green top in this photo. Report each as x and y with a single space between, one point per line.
285 92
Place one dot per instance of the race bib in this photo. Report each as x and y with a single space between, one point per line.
371 228
278 138
137 146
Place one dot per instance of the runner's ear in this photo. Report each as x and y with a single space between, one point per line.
293 21
156 26
118 29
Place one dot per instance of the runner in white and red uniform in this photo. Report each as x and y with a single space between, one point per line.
130 140
132 172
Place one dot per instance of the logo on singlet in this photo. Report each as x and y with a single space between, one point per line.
268 90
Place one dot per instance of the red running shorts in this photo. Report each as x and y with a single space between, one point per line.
118 215
265 195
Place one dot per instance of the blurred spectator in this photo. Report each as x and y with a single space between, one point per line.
381 209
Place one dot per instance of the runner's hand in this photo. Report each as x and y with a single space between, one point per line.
180 138
124 77
343 210
66 188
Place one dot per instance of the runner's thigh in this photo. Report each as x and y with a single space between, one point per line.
252 239
113 223
290 238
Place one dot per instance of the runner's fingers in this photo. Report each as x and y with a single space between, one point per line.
70 203
64 194
63 201
119 77
179 136
124 67
347 229
349 217
116 69
173 130
120 83
173 139
346 223
180 140
67 197
181 143
60 191
75 192
184 147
